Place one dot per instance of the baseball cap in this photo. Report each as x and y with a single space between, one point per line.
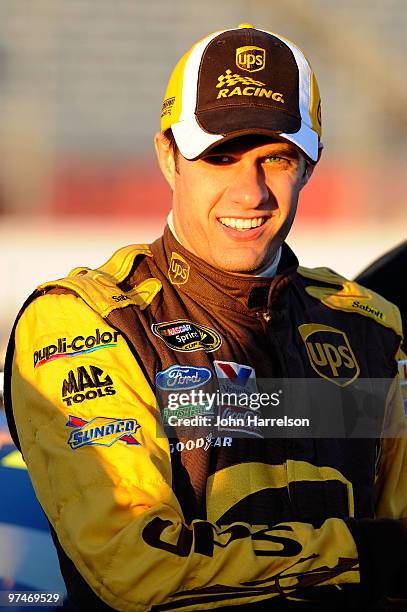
242 81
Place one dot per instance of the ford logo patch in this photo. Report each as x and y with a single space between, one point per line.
179 377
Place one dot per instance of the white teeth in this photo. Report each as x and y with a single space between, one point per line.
242 224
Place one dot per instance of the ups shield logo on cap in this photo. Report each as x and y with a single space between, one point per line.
330 353
178 271
250 59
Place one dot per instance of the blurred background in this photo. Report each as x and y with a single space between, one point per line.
81 87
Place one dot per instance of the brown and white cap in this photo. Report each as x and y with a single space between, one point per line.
242 81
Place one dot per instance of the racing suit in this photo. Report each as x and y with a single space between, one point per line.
150 518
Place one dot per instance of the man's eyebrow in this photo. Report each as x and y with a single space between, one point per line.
284 152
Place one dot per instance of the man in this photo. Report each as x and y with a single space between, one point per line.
384 274
154 511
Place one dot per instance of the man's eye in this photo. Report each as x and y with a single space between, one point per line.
272 159
281 162
219 160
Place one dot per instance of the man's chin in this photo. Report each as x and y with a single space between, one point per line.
251 261
246 266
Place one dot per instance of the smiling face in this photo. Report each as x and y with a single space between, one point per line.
234 207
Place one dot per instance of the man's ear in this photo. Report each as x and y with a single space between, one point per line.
309 169
165 157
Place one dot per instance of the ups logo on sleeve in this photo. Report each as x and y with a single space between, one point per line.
250 59
330 353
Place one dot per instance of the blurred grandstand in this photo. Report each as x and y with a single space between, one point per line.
80 95
81 85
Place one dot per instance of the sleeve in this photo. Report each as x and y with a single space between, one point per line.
391 481
382 543
90 433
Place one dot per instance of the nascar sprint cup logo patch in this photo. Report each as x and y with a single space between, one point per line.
186 336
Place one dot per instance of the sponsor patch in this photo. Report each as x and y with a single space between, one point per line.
86 383
403 381
178 271
187 412
232 84
177 377
206 443
80 345
238 419
230 79
186 336
373 311
167 106
330 353
235 377
250 58
120 298
101 431
403 372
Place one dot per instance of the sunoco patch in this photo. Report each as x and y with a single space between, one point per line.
101 431
186 336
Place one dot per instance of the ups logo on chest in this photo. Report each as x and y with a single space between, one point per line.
330 353
178 271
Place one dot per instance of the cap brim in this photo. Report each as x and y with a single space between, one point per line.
193 141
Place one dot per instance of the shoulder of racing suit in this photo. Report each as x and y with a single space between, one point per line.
100 288
338 293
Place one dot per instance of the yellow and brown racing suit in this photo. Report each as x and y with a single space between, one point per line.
144 519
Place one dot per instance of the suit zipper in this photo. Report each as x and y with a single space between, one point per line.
265 315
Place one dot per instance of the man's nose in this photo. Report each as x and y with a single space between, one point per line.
249 187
